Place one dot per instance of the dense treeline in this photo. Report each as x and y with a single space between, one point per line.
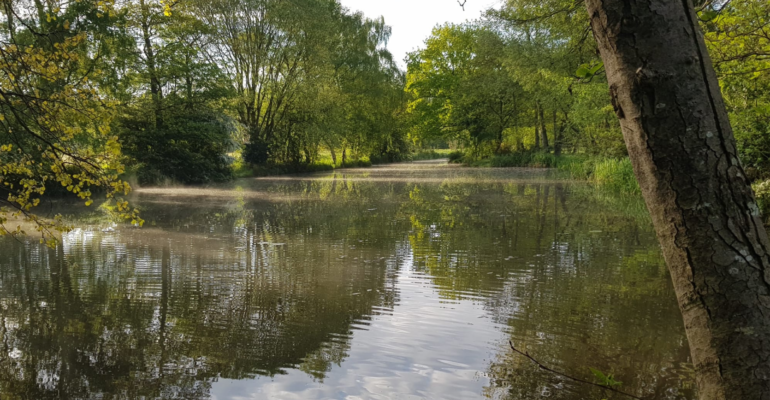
94 93
187 85
527 78
280 79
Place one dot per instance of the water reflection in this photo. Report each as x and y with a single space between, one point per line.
404 281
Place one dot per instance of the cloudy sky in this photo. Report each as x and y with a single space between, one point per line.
412 20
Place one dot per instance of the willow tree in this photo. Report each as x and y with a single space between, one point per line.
264 47
667 97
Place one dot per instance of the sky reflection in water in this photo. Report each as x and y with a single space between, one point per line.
398 282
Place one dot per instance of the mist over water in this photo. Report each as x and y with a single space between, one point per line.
404 281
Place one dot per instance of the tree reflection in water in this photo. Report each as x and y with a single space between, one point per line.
268 276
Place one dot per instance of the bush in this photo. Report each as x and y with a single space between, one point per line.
456 157
190 148
616 174
762 193
256 152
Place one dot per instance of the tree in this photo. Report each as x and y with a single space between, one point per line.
460 89
54 121
738 38
171 121
667 97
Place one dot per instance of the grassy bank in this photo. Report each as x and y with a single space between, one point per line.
246 171
430 154
612 173
325 163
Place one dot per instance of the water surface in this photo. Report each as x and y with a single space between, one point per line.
403 281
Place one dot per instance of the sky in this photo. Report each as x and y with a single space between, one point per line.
413 20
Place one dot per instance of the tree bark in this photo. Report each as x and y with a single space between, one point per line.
149 53
543 130
557 131
679 138
537 125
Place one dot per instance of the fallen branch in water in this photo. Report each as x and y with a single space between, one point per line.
543 367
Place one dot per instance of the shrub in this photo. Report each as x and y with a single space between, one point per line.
762 193
616 174
190 148
456 156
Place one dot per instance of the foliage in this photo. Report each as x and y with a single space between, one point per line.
307 74
459 89
430 155
604 379
736 35
614 174
456 156
543 55
54 120
496 91
762 192
191 148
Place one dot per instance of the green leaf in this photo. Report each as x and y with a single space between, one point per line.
605 380
598 374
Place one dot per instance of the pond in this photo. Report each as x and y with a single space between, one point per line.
403 281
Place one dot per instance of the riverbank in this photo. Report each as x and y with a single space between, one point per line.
326 163
615 174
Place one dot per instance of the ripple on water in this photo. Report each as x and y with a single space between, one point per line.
396 282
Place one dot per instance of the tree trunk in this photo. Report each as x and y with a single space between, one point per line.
537 126
543 130
667 97
556 136
188 80
500 140
149 53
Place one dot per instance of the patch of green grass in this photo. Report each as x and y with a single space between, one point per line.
362 163
616 174
430 154
323 163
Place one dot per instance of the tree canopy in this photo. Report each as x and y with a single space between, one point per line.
96 94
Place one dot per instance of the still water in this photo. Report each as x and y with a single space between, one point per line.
403 281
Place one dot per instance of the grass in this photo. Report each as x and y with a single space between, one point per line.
247 171
324 162
430 154
615 174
